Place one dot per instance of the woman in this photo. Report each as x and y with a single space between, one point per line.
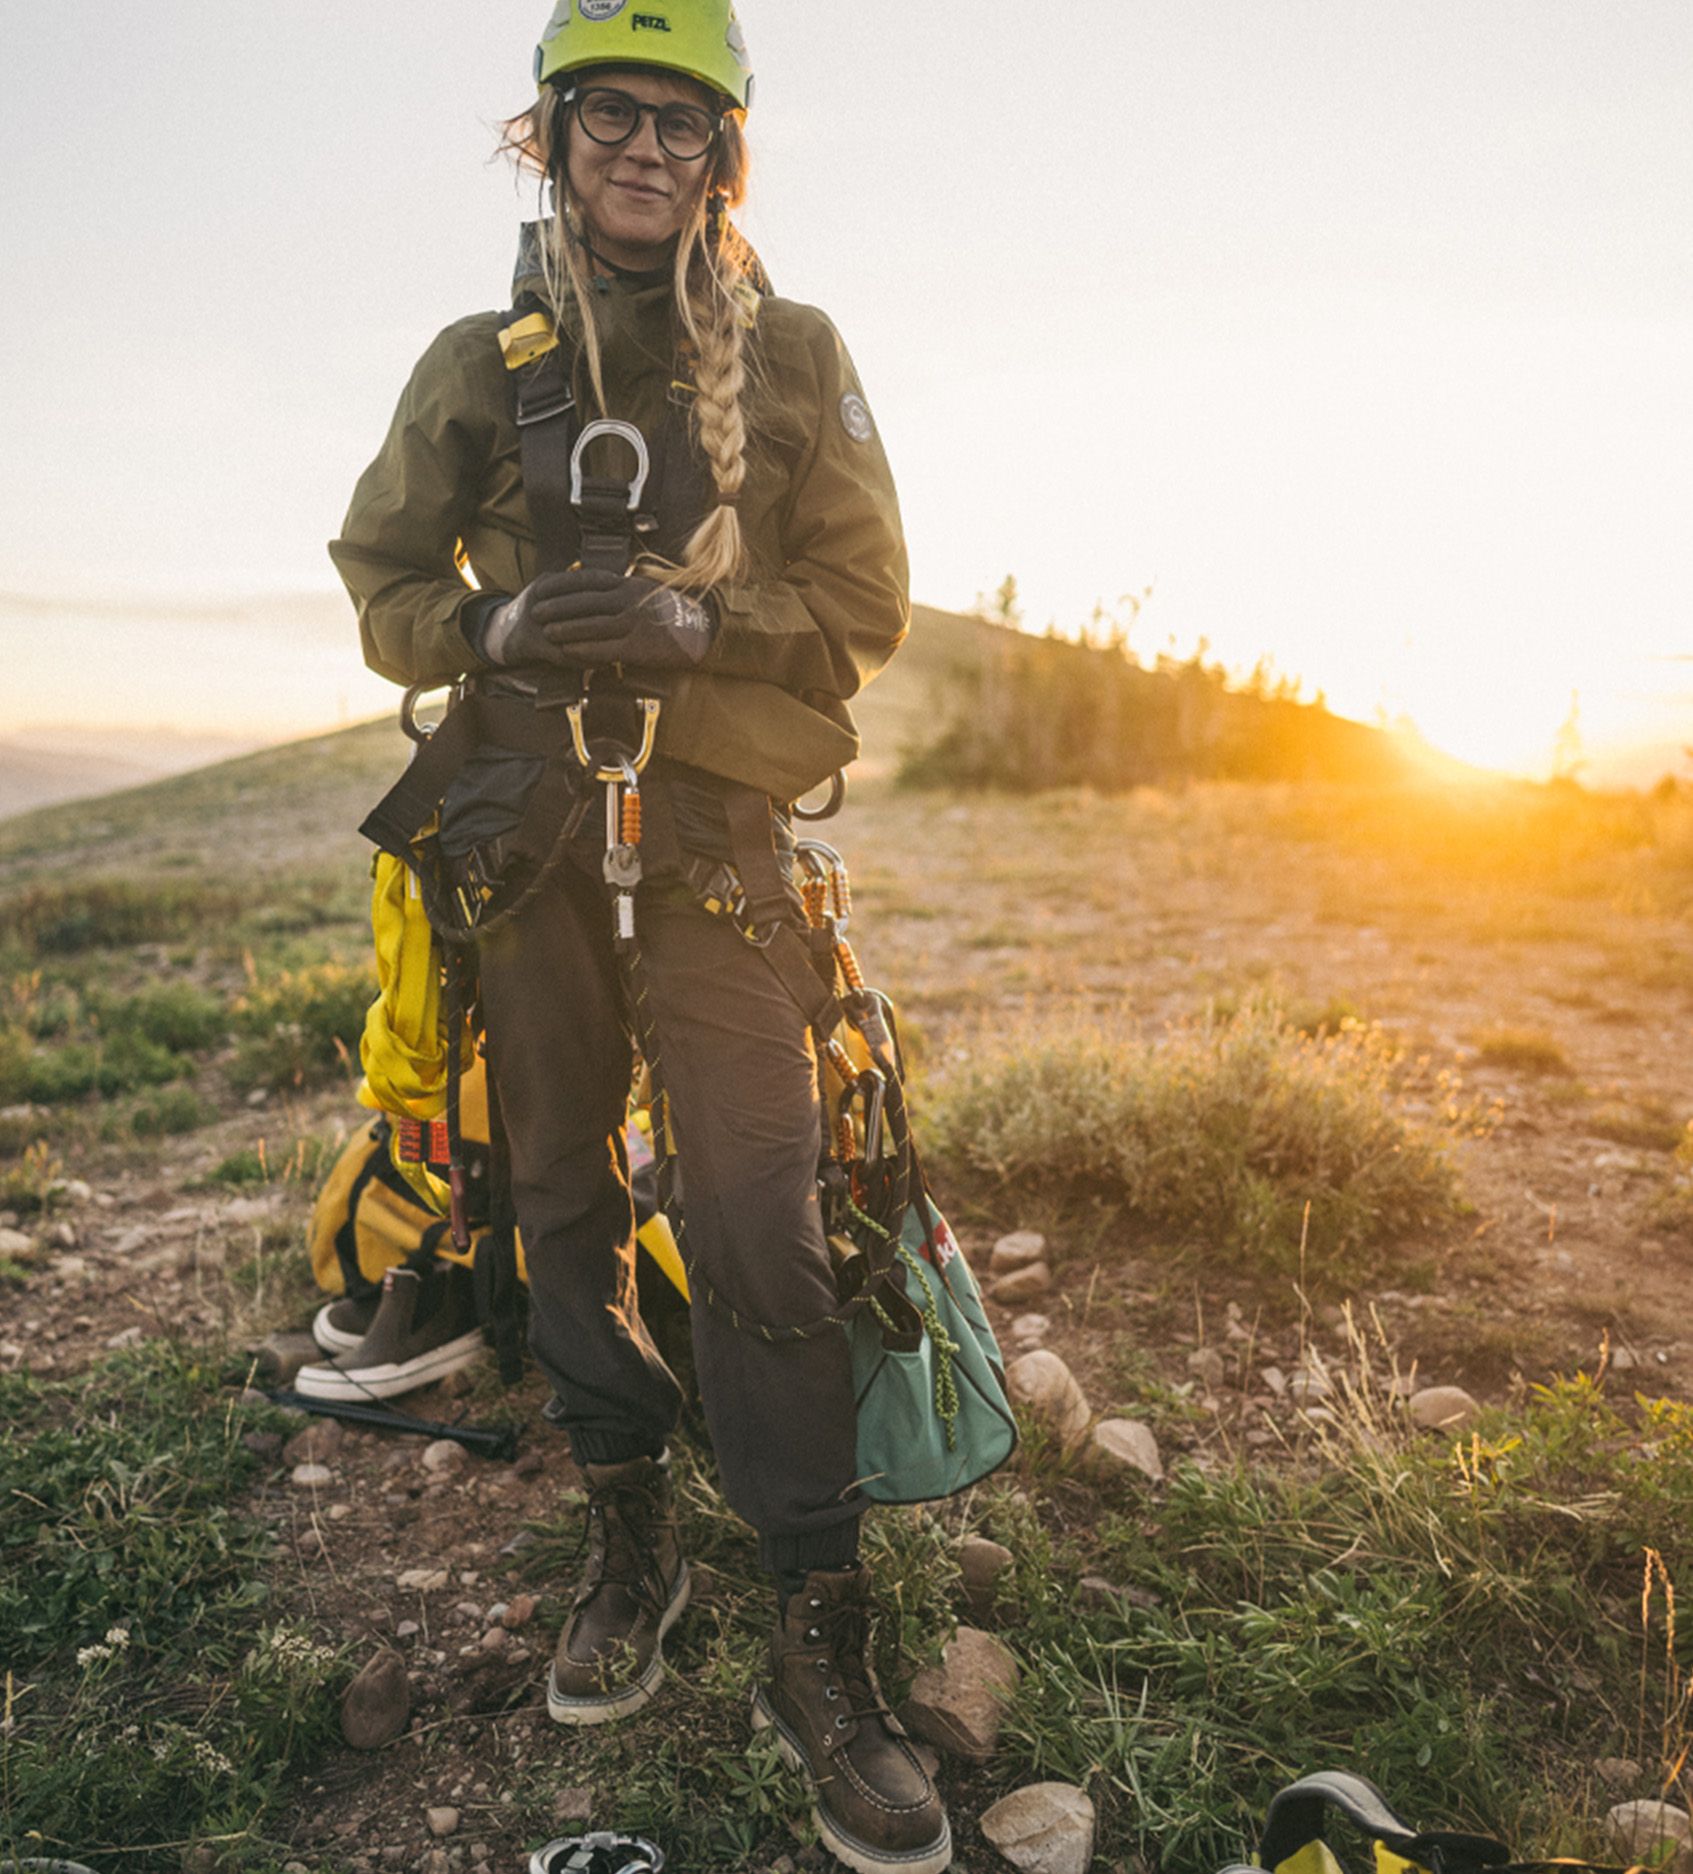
770 583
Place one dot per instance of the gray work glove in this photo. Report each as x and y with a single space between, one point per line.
587 619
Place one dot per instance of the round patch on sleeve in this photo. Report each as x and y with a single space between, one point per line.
856 419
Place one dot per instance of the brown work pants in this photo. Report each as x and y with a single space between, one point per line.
740 1073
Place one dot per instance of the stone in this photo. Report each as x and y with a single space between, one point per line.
310 1545
437 1861
1646 1831
376 1707
519 1611
575 1804
959 1704
1044 1384
1017 1251
442 1822
15 1243
125 1337
444 1456
1617 1773
1045 1828
316 1444
407 1630
1308 1388
983 1565
1129 1445
424 1580
1624 1360
79 1191
1443 1409
1208 1367
1274 1381
263 1444
311 1476
1027 1284
282 1356
63 1235
1029 1330
470 1612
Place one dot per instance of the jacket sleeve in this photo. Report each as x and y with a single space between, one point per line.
413 505
840 605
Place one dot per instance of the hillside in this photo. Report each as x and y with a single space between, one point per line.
1320 1094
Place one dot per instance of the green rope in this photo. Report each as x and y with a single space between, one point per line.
946 1380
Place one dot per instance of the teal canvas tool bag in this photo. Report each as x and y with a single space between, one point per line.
933 1416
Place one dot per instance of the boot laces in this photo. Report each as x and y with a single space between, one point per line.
844 1628
621 1534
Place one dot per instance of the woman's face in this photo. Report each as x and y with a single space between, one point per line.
635 195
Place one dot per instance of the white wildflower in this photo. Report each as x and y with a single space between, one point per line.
87 1656
118 1637
208 1757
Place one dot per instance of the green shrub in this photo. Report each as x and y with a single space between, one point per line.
301 1025
53 1076
1218 1135
1527 1050
176 1110
179 1017
105 914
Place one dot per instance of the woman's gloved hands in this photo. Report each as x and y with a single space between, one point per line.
585 619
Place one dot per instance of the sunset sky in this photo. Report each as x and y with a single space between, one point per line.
1361 334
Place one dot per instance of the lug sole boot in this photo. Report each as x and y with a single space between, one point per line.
876 1809
634 1587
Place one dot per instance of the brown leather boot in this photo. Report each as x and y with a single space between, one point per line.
876 1808
634 1587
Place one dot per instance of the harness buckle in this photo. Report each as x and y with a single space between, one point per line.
611 426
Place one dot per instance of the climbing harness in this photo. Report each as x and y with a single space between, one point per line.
1295 1839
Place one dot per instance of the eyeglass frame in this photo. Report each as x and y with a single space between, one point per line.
578 93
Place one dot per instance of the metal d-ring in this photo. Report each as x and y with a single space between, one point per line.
611 426
830 807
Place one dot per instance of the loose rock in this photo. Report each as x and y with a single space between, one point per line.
575 1804
983 1564
311 1476
317 1444
1443 1409
1208 1367
1043 1383
1617 1773
1047 1828
424 1580
442 1822
1022 1285
1274 1379
377 1705
282 1356
958 1705
15 1243
1644 1830
1128 1444
1029 1330
1017 1251
1308 1388
520 1610
444 1456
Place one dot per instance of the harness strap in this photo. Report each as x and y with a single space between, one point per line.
547 426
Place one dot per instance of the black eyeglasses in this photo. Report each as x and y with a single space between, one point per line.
612 117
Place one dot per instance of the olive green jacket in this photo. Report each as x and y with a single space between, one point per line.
825 603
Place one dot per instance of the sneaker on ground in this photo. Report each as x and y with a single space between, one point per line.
634 1587
876 1808
425 1328
339 1326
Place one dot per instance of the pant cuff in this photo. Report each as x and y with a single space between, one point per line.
611 1447
834 1547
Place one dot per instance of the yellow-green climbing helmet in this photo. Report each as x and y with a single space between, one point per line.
700 38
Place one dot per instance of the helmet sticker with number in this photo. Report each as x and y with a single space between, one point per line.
601 9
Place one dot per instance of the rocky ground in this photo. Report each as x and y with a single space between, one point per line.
1556 1016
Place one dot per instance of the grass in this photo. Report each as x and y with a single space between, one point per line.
151 1699
1524 1050
1245 1135
302 1025
1463 1624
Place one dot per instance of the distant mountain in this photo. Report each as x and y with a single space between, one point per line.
42 765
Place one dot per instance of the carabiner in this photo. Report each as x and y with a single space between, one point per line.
611 426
